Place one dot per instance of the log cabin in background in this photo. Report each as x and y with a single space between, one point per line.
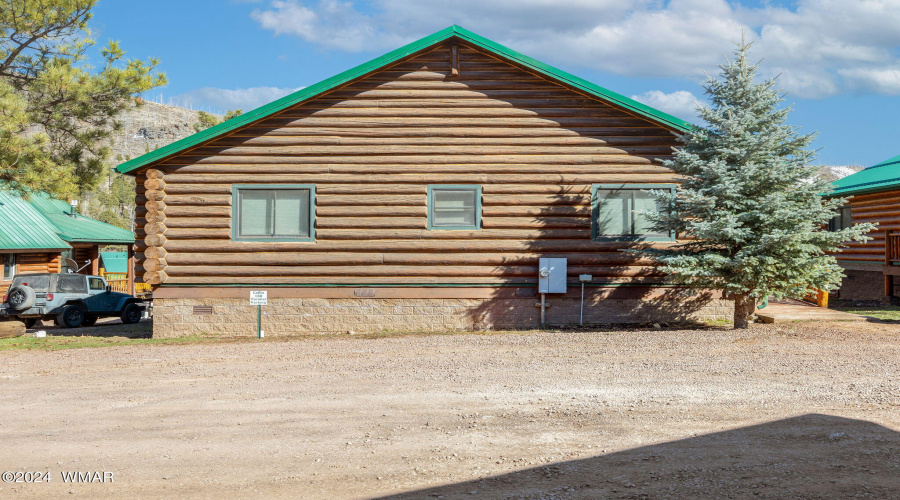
416 191
39 234
872 267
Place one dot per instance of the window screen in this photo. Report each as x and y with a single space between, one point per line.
274 213
617 213
842 220
71 283
36 281
454 207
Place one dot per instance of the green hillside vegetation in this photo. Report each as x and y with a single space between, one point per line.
206 120
112 202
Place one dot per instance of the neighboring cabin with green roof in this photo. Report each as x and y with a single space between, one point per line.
874 197
38 234
114 262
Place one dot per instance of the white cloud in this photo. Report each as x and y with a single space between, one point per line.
680 103
819 47
220 100
878 80
332 23
679 40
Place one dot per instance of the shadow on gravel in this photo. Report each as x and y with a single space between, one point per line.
810 456
109 327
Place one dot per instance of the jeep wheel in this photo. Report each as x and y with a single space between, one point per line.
70 317
29 322
131 314
89 320
20 297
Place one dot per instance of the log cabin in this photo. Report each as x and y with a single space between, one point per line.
871 267
39 234
417 191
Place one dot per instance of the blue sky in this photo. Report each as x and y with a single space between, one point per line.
839 59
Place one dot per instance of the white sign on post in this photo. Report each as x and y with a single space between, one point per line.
259 297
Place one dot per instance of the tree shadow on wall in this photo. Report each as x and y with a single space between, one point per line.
809 456
635 305
626 287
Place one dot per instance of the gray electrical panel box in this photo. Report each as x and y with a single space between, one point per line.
552 276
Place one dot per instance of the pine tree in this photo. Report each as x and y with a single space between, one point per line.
57 112
206 120
750 205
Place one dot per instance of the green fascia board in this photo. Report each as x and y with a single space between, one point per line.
572 281
590 88
884 176
78 228
642 110
22 227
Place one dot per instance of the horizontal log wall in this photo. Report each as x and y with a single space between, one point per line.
27 263
373 146
882 208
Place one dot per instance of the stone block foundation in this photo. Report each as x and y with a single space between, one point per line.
863 284
286 315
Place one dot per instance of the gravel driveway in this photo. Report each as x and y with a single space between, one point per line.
796 411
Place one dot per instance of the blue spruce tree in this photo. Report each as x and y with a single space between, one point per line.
750 206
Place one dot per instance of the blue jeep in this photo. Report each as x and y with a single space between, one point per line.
72 300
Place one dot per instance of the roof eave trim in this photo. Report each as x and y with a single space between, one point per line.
35 249
862 189
281 104
349 75
618 99
101 241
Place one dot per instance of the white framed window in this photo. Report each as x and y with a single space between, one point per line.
9 266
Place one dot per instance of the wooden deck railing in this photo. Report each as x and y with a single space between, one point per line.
891 258
817 297
891 247
118 282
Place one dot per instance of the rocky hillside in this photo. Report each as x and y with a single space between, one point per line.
835 172
151 126
144 128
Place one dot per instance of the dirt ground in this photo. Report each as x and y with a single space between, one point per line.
105 327
780 411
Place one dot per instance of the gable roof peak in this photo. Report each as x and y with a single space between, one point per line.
617 100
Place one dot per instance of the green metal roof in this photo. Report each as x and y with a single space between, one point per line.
114 262
884 176
22 227
78 228
378 63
